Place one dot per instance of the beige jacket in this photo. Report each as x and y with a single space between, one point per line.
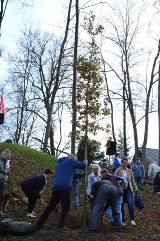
131 180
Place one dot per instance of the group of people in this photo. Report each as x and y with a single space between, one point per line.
110 192
107 192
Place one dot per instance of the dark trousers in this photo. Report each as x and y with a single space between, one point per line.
106 196
32 198
2 191
62 195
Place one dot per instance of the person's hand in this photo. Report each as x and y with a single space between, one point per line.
83 174
7 170
86 162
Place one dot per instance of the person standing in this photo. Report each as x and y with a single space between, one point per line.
138 171
116 162
93 177
33 187
61 189
4 172
105 195
153 169
128 192
76 181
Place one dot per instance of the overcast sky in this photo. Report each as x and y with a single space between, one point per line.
49 14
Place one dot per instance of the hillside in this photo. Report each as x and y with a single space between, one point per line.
26 162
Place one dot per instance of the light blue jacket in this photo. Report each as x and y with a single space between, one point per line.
138 170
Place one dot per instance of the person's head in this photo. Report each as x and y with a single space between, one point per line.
137 160
6 154
96 169
48 172
104 171
72 156
117 154
124 162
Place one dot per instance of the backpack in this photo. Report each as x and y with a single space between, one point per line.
11 226
138 202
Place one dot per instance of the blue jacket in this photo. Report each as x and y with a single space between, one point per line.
34 184
64 173
116 164
138 170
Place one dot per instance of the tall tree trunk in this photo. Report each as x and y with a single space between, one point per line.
74 111
52 147
110 101
159 115
124 121
147 106
56 86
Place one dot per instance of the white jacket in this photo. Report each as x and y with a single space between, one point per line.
153 169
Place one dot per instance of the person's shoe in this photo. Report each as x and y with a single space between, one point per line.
2 213
112 225
31 215
90 231
62 228
133 223
119 229
76 207
123 224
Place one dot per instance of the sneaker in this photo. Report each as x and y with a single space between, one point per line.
90 231
31 215
133 223
2 213
123 224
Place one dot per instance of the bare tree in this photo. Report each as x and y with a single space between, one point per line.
147 109
159 113
123 34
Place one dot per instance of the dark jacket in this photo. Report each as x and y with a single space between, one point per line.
2 169
96 186
114 181
64 173
34 184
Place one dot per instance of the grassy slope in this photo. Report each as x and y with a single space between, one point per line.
25 162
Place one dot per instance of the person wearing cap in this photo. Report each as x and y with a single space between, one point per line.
138 171
61 189
33 187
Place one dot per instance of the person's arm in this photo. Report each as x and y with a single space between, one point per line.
149 171
143 171
79 164
89 185
135 188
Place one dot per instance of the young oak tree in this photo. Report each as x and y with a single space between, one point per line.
91 104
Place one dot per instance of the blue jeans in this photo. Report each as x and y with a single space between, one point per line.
128 198
139 180
75 194
119 207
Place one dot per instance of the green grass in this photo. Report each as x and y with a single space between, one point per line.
29 156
